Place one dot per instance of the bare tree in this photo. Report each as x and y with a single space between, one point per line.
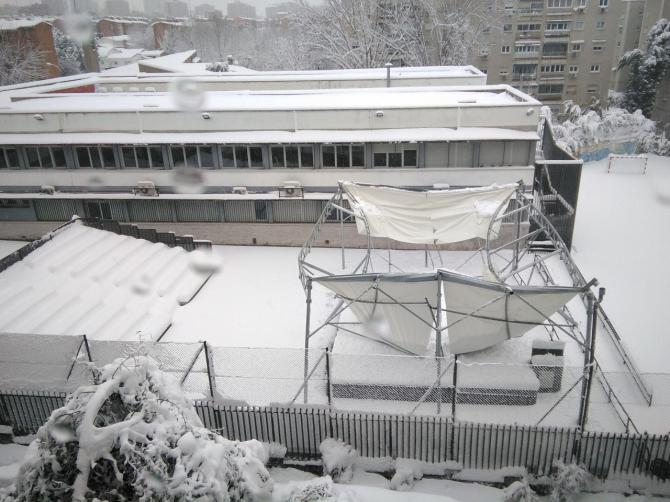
19 62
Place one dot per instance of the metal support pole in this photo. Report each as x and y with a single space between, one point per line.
592 353
328 389
438 343
88 349
517 230
425 257
453 389
210 376
308 302
587 357
342 236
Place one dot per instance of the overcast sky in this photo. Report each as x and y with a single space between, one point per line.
139 5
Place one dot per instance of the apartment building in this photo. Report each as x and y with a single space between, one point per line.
556 50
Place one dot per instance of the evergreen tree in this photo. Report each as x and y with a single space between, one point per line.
647 69
70 55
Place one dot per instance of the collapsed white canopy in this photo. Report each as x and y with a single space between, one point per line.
395 308
481 314
425 217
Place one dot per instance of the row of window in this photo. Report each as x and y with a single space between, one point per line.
566 4
519 70
552 26
206 156
549 48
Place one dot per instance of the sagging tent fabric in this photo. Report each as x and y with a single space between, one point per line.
384 319
425 217
487 313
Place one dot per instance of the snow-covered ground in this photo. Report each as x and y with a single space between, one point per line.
8 247
622 237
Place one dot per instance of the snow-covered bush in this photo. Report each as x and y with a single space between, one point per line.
338 460
584 129
218 67
568 482
519 491
314 490
407 472
136 436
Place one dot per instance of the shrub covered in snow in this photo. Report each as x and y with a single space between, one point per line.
314 490
569 481
407 472
519 491
338 460
585 129
217 67
135 436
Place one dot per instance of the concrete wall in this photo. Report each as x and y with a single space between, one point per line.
249 234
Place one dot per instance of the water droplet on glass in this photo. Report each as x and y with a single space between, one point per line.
204 262
78 27
95 181
188 179
187 94
142 284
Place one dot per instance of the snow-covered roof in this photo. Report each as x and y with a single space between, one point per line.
321 99
15 24
276 136
118 53
98 283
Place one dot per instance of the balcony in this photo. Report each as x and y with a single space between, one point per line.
555 54
523 77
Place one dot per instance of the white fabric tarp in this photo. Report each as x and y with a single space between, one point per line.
491 315
409 327
425 217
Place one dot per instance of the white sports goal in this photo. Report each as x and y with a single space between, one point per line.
627 164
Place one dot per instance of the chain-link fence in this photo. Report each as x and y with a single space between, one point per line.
527 394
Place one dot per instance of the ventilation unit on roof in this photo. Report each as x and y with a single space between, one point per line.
146 188
291 189
48 189
240 190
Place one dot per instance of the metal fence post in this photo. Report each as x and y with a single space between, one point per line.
588 356
308 301
453 389
209 359
328 390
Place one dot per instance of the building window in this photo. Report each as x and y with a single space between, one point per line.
99 210
45 157
528 27
593 90
559 4
598 46
507 27
604 3
192 156
595 68
142 156
550 89
292 156
573 68
9 158
343 155
576 47
526 49
553 68
558 26
402 158
95 156
505 49
14 203
555 49
261 210
241 156
578 25
580 4
600 25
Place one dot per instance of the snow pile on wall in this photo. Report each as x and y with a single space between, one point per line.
586 130
338 459
135 436
98 283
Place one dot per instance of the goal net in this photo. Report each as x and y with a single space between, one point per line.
627 164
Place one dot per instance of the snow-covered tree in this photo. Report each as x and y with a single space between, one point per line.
647 69
70 54
135 436
19 62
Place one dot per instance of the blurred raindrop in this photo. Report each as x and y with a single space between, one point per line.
95 181
188 179
187 94
142 284
62 433
78 27
204 262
